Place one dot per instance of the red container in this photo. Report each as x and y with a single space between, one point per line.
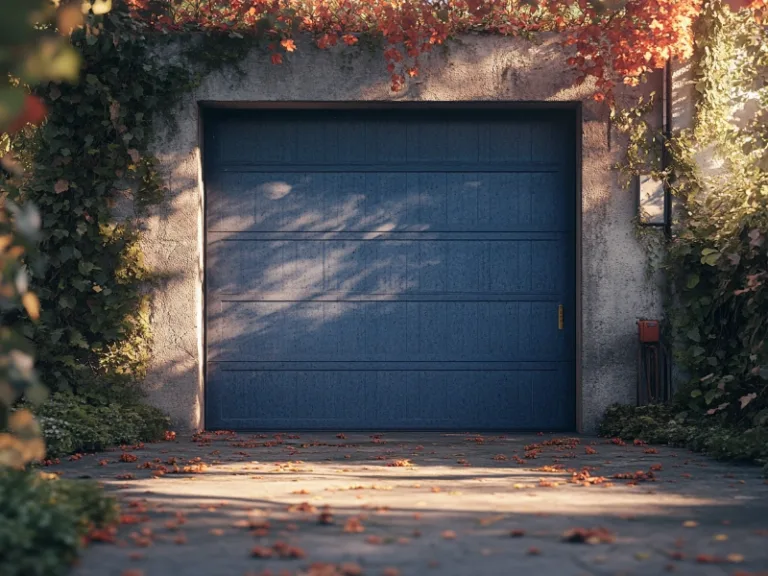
649 330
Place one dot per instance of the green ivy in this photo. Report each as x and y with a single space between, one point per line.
717 266
716 263
94 329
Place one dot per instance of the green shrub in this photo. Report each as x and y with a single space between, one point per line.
667 424
43 521
72 424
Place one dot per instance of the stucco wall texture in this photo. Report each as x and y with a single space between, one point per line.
616 289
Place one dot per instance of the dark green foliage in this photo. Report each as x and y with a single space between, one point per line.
668 424
644 422
71 424
42 521
717 263
93 336
94 317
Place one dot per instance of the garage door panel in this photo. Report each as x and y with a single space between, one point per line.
369 140
299 268
386 331
386 201
382 399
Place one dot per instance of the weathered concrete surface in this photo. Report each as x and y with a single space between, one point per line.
616 290
428 504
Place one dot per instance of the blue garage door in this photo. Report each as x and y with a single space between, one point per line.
390 269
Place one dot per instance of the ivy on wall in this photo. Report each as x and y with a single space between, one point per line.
614 41
716 263
93 149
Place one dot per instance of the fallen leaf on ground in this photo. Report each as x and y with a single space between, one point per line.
709 559
325 516
353 525
589 536
261 552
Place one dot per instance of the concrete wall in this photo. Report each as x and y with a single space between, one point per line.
615 287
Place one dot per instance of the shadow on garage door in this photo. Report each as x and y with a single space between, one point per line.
390 269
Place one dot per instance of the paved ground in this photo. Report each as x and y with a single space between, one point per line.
421 504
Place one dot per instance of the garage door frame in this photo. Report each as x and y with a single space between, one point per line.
206 108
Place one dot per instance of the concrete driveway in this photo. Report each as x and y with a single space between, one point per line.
419 504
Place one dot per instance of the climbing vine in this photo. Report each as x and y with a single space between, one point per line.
716 263
93 332
719 261
614 41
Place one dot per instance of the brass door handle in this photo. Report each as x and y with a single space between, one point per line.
560 317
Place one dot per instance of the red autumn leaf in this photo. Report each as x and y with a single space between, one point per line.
61 186
350 569
261 552
277 58
325 516
353 525
709 559
106 535
32 112
284 550
589 536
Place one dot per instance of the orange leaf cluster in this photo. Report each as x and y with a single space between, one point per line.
612 42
